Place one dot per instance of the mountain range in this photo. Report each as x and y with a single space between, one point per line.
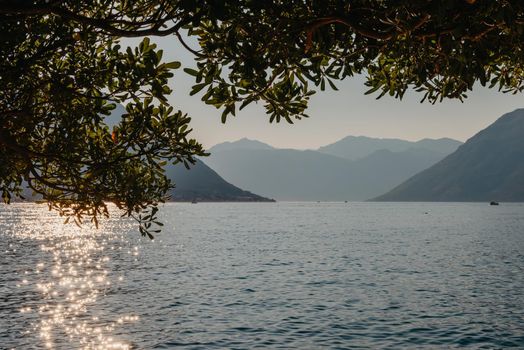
356 147
488 167
354 168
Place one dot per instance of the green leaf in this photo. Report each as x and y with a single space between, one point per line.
332 85
191 71
172 65
197 88
372 90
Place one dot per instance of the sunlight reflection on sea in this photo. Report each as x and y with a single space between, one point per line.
65 272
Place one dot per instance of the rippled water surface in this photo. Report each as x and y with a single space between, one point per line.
267 275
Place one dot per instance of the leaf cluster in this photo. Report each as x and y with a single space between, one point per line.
61 80
280 52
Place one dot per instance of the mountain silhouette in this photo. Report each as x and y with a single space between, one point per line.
289 174
240 144
489 166
201 183
356 147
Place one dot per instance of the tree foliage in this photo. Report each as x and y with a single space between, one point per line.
62 71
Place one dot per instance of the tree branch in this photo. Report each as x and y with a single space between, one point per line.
104 24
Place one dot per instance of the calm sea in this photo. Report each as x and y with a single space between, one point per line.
267 275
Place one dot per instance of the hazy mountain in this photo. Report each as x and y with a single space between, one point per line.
240 144
489 166
382 170
443 146
201 183
284 173
356 147
288 174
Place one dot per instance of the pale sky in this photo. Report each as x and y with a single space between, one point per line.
336 114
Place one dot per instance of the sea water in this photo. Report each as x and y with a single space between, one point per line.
266 275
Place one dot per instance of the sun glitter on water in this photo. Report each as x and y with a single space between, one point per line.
71 278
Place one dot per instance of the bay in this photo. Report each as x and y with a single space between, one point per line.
267 275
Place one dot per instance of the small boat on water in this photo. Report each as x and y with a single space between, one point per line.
493 203
194 201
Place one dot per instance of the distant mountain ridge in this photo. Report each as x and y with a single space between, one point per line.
489 166
244 143
356 147
289 174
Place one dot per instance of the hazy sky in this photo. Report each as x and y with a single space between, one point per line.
336 114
